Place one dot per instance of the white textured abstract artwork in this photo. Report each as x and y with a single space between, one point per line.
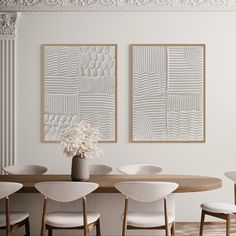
168 93
79 83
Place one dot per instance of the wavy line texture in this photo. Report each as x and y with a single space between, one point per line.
148 84
62 61
168 90
104 121
185 126
80 81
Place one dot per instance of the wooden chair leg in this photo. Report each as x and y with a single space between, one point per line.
124 230
98 228
86 233
173 229
167 225
124 227
42 233
27 227
228 225
202 223
8 223
43 226
49 231
169 229
8 233
86 229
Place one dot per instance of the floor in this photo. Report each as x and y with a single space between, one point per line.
182 229
192 229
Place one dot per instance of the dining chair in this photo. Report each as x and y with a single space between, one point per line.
220 210
140 169
67 192
99 169
144 191
25 169
232 176
9 221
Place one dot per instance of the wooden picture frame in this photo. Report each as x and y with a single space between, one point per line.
79 82
167 98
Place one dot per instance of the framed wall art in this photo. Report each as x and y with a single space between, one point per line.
167 93
79 82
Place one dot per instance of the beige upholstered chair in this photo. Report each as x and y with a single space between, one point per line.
220 210
147 192
140 169
67 192
25 169
98 169
10 221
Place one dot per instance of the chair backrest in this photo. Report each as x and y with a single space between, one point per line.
140 169
25 169
146 191
8 188
97 169
231 175
62 191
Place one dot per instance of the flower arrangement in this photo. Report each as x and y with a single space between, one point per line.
81 139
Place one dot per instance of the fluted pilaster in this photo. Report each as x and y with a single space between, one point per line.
8 23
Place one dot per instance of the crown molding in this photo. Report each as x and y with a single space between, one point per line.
8 23
116 5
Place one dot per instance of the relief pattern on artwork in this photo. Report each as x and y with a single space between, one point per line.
168 93
79 84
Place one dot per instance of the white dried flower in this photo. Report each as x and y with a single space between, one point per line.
81 139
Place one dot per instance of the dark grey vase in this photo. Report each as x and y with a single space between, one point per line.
79 169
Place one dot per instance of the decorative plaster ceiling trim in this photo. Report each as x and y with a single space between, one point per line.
117 5
8 23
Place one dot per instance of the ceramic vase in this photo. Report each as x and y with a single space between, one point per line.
79 169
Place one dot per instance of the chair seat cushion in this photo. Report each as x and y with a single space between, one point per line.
219 207
147 220
70 219
15 217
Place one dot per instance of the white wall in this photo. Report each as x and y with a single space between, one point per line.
216 30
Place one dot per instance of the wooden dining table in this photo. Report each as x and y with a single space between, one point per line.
187 183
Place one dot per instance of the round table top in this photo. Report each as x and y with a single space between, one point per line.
187 183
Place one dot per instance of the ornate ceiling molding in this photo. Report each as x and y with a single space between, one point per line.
8 23
117 5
